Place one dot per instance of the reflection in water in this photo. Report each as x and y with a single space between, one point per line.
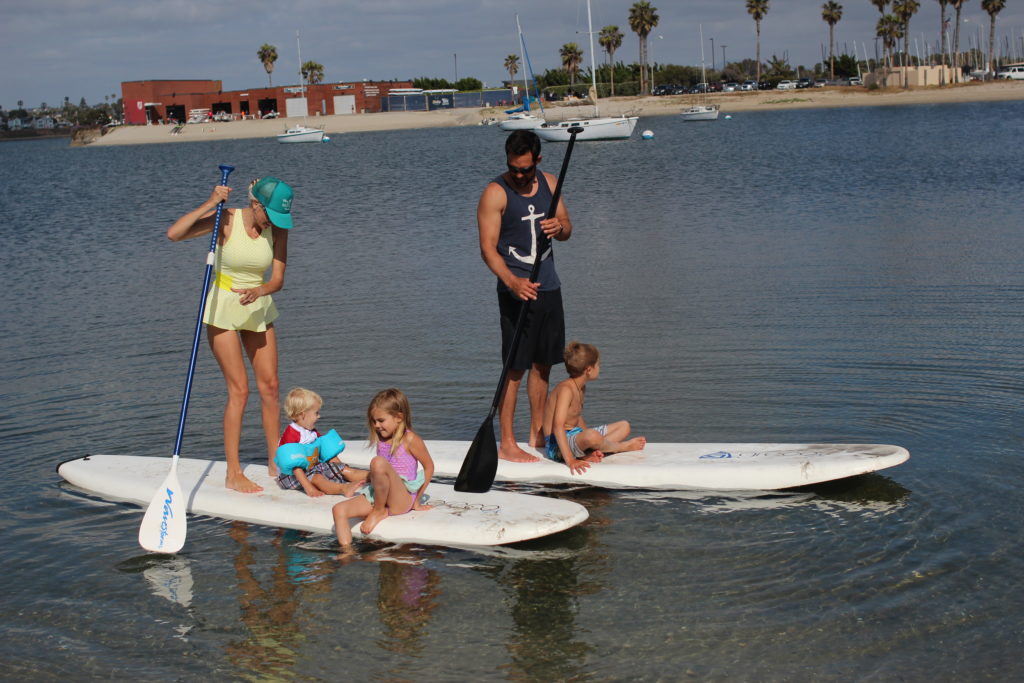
407 595
269 613
546 642
171 580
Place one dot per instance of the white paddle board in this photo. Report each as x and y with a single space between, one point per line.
457 519
681 466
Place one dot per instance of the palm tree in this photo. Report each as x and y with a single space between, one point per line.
642 20
942 28
757 9
571 55
993 7
611 40
512 66
905 9
890 30
267 55
313 72
831 13
957 5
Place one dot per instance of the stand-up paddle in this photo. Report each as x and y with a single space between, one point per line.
481 463
163 526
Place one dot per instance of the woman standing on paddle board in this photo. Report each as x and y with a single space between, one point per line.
240 312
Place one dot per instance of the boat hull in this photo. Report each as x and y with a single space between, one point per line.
520 123
699 112
609 128
301 135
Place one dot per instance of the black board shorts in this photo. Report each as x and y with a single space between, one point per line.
543 337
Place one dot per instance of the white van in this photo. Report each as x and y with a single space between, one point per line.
1015 73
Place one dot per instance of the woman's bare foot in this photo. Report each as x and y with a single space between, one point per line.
239 482
515 454
372 520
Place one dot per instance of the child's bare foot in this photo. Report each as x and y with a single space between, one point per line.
349 490
239 482
515 454
372 520
635 444
593 456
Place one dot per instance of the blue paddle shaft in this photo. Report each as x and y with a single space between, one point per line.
225 171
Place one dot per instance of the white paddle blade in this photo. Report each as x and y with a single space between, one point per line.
163 526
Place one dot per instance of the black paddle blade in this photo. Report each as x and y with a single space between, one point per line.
481 463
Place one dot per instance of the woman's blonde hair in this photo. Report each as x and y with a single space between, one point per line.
395 403
579 356
300 400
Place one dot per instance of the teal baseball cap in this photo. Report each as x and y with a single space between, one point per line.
276 197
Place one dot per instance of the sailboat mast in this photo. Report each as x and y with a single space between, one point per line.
522 55
593 69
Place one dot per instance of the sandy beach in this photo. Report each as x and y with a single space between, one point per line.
640 106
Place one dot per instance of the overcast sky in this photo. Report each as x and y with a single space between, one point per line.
86 48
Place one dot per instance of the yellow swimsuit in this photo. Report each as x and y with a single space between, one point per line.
239 264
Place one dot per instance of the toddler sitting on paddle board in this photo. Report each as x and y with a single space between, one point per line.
399 473
568 439
307 460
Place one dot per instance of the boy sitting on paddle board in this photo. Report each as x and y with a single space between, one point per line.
569 440
305 469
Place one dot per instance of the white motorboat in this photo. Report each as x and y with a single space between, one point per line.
702 111
597 127
302 133
521 120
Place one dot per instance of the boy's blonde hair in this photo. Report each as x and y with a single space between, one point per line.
300 400
579 356
393 402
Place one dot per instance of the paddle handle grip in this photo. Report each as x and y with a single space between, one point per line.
225 171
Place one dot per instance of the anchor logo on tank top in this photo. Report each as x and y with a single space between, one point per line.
529 258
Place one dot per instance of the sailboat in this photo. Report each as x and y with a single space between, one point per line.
522 118
701 111
302 132
596 128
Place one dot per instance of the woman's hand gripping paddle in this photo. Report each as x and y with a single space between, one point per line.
481 462
163 526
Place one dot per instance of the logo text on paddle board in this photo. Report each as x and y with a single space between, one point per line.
168 513
718 455
529 258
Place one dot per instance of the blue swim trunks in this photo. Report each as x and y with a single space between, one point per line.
554 453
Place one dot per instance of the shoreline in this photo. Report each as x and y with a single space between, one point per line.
668 105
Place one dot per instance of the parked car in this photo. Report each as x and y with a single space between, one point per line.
765 85
853 80
786 85
700 88
269 115
803 83
664 90
222 116
730 87
1013 73
748 85
820 83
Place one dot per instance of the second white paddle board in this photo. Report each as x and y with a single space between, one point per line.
457 519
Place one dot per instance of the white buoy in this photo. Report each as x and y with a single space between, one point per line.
728 116
326 139
647 134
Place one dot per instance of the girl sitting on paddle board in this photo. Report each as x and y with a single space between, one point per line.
399 473
330 476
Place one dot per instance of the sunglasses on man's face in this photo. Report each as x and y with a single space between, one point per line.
526 170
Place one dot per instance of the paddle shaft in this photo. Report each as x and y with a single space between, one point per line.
543 242
225 171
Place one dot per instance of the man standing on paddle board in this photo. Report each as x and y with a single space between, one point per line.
511 211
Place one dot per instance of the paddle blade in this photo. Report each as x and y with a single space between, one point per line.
481 463
163 526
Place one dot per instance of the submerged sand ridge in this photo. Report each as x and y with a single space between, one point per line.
810 98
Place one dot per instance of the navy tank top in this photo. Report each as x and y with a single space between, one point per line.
521 235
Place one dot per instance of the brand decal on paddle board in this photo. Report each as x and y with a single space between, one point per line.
718 455
168 513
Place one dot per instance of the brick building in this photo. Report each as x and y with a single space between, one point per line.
153 101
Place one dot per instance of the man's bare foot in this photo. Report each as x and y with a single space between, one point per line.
239 482
372 520
515 454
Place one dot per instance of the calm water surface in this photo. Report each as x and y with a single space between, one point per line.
840 275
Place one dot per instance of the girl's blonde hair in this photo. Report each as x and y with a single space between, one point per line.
300 400
393 402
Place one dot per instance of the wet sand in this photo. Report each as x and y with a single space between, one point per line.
640 106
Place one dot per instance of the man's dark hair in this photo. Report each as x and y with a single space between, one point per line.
522 141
